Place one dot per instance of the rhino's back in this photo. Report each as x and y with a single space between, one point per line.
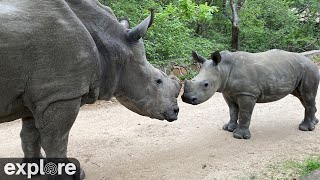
46 54
270 75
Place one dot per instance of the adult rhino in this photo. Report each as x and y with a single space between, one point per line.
60 54
245 79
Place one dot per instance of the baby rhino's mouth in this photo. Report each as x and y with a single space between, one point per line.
190 99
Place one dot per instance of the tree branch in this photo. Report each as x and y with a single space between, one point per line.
235 17
225 11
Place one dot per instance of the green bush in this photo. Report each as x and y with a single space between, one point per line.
181 26
173 34
275 24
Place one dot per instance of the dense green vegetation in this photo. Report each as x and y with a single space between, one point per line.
184 25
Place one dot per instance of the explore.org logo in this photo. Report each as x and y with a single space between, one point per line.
15 168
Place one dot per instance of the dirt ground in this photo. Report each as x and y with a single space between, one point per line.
112 142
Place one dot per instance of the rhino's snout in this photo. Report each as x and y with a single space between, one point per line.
187 96
172 115
190 99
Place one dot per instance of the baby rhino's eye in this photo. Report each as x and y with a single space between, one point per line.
205 83
159 81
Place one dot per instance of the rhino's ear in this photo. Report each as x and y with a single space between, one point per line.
125 23
216 57
198 58
140 30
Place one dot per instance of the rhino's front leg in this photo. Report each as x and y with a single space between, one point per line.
30 139
54 125
234 111
246 105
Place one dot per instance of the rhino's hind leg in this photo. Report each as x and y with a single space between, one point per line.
246 105
54 126
30 139
307 96
310 120
233 111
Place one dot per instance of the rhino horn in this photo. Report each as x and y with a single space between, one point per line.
198 58
140 30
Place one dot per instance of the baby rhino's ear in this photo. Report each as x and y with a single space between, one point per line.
198 58
216 57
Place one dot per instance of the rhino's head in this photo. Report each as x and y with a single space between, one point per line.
206 83
141 87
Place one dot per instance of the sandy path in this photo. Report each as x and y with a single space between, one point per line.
113 143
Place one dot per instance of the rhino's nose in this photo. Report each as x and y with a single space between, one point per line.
176 111
172 114
189 99
194 100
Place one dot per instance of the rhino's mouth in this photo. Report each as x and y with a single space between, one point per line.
170 114
190 99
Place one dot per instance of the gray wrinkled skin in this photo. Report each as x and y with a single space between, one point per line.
245 79
60 54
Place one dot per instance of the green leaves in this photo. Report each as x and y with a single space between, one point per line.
174 38
274 24
193 12
181 26
204 12
173 34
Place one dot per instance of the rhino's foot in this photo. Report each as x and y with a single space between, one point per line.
308 126
242 133
230 126
315 121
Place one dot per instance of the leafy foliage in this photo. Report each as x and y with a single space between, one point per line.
173 34
184 25
274 24
189 75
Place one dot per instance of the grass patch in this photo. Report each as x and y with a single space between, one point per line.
289 170
303 168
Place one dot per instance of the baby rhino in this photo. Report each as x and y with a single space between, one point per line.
245 79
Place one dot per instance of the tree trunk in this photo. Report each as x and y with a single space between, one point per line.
234 18
235 27
235 38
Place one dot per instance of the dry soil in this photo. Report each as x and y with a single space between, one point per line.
112 142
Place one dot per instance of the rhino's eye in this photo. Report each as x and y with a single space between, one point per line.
159 81
206 84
